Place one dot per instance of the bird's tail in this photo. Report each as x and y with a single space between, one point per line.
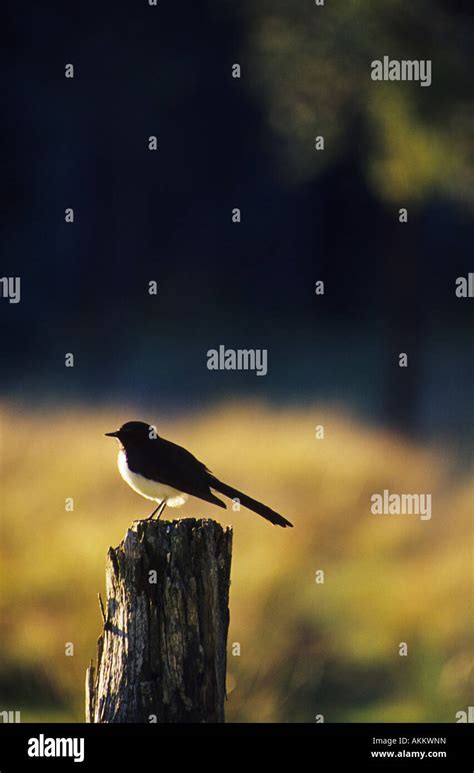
252 504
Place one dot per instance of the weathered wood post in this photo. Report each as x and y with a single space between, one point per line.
162 654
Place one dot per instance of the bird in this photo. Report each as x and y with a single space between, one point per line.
168 474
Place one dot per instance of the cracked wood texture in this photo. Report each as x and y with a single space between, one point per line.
162 653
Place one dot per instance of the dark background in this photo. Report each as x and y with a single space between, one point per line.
166 215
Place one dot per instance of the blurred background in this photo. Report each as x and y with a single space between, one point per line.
307 215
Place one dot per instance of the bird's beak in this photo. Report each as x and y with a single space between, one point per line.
111 434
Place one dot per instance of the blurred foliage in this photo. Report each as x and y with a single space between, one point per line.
312 65
306 648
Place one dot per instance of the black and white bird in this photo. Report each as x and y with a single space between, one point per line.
168 474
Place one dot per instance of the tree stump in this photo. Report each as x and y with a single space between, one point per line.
162 654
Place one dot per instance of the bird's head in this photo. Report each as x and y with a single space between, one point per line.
134 431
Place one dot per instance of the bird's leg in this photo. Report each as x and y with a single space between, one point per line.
160 507
163 505
141 520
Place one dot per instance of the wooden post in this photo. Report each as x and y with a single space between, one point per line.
162 654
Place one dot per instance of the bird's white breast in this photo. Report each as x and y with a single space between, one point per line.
150 489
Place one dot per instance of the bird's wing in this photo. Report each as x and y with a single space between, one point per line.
173 465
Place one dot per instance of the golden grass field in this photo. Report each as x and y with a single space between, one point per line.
306 648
